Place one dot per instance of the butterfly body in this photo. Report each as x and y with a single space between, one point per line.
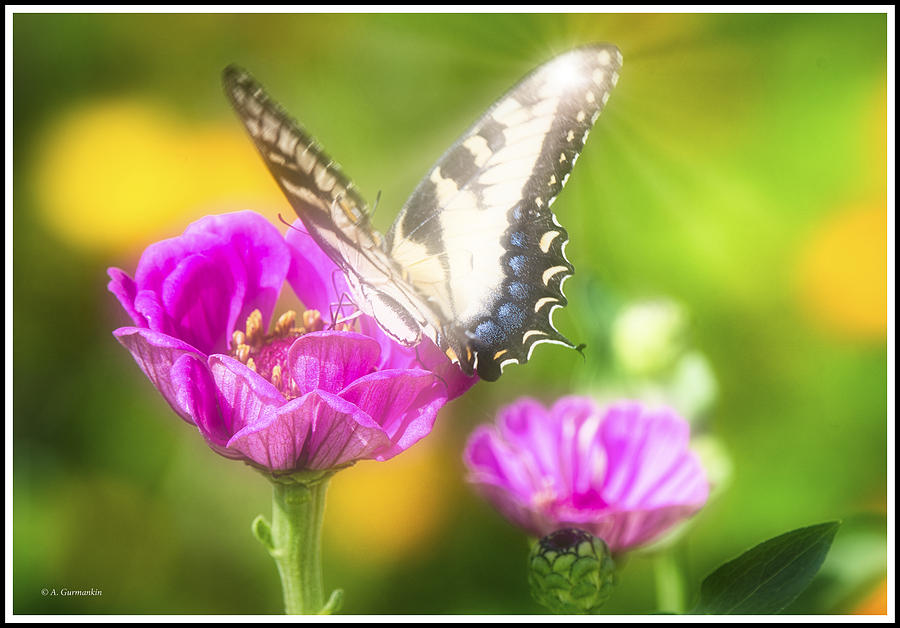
475 259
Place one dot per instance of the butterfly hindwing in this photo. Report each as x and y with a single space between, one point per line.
481 220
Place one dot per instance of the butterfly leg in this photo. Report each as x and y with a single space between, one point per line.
432 369
337 310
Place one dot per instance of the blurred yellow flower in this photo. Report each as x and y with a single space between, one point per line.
842 268
384 513
842 272
117 174
875 603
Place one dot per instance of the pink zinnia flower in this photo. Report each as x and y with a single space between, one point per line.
303 397
623 473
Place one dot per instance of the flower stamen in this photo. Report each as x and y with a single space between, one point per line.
255 333
276 376
312 320
267 354
285 323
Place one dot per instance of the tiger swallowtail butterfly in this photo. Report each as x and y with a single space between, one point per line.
475 260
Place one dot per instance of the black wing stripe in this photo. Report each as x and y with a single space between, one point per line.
281 140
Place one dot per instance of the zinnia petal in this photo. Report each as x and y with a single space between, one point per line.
316 431
209 278
195 294
426 355
125 290
198 395
623 473
492 462
245 398
403 402
156 354
644 449
149 306
330 360
527 426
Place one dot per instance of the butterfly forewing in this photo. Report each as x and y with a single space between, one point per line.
478 238
323 197
331 209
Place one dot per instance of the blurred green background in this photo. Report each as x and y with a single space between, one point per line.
739 170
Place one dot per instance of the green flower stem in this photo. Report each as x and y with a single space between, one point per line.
297 512
294 541
669 583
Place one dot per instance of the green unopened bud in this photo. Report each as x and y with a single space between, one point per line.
571 572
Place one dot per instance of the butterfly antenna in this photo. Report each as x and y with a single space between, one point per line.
375 205
289 225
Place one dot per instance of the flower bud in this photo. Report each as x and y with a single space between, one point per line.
571 572
649 336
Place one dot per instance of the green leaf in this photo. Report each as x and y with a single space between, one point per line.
263 532
856 563
768 577
334 603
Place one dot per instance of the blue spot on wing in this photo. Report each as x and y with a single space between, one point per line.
511 316
517 290
489 333
519 265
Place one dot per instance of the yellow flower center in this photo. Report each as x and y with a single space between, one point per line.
267 354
